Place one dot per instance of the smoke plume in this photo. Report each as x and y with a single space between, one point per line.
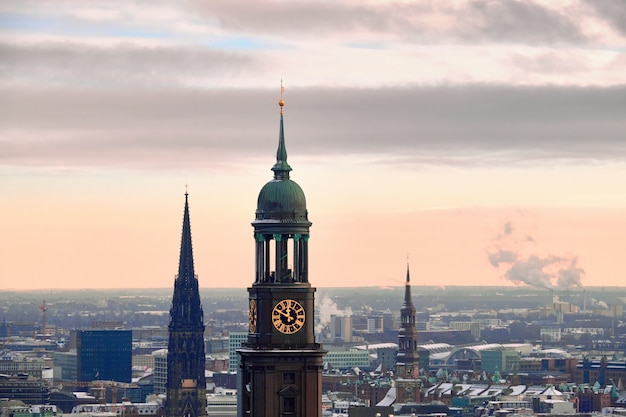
534 270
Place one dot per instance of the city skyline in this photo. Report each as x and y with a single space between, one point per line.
483 141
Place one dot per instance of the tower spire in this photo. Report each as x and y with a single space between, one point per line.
408 301
186 299
185 266
281 168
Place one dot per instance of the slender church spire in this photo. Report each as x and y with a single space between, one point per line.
407 359
186 293
408 300
186 383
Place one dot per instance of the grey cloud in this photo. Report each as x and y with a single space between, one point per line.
553 62
305 18
80 65
614 12
518 21
477 125
499 22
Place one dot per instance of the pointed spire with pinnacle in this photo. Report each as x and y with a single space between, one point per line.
186 307
281 168
408 301
407 360
185 266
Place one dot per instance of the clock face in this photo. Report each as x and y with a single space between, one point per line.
252 316
288 316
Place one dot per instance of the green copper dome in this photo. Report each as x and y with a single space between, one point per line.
281 199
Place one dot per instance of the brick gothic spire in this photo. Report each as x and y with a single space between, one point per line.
407 360
186 384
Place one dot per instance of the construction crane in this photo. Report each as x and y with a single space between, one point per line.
88 384
101 385
43 309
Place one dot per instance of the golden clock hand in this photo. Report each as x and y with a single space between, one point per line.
282 313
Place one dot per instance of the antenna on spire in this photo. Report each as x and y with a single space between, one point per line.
186 189
281 102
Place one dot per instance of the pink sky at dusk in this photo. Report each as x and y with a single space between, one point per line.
483 140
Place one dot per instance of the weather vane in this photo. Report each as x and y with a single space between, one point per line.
281 102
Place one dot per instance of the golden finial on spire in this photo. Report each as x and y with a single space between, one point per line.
281 102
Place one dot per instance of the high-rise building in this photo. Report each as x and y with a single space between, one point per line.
341 328
160 371
186 382
235 339
407 360
104 355
281 364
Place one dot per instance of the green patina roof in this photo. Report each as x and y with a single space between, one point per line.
280 199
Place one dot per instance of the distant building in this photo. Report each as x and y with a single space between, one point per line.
217 364
104 355
18 328
589 371
504 361
386 358
65 366
216 344
235 339
160 371
28 391
472 326
16 364
341 328
143 361
348 359
30 411
550 333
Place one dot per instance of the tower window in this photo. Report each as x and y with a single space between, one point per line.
289 405
289 377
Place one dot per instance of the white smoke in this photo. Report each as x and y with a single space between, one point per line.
502 256
327 307
534 270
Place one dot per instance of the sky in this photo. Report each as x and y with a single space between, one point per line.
483 142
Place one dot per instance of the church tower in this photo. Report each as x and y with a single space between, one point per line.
280 364
186 384
407 361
